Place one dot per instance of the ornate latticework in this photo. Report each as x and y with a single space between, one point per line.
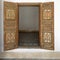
10 26
47 25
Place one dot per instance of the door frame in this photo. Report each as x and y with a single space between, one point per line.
40 19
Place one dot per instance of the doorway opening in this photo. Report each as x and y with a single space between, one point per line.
35 25
29 26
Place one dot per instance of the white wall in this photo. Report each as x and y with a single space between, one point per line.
56 23
1 25
29 0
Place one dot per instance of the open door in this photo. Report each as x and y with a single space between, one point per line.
47 25
10 25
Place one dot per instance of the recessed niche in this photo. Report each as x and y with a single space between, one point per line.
29 26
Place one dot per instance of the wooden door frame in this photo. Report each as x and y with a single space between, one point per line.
32 4
40 18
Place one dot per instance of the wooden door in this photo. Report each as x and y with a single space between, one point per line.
10 25
47 25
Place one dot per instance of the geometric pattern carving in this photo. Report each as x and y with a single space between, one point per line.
10 37
47 37
47 14
10 25
10 14
47 25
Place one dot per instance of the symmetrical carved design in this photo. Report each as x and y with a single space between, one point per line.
47 37
10 40
47 14
10 37
47 21
10 26
47 25
10 14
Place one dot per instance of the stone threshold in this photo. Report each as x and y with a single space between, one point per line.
31 55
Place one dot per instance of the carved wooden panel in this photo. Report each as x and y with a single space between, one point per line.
47 13
10 37
47 37
47 25
10 14
10 26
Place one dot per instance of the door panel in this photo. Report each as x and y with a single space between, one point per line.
47 25
10 25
